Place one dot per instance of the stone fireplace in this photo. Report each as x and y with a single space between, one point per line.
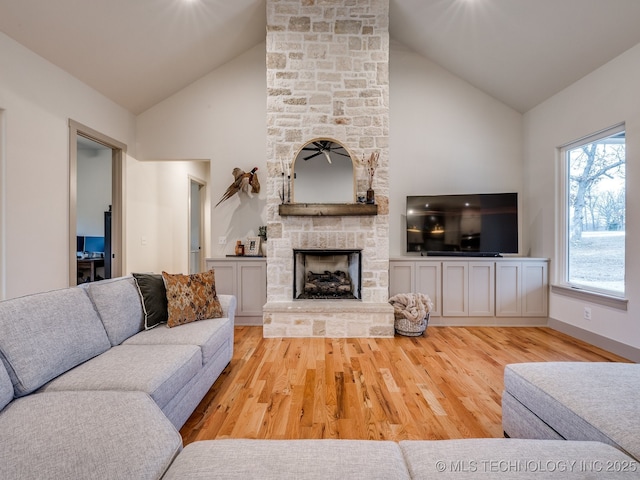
327 77
327 274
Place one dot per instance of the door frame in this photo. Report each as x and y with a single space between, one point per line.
3 213
118 152
202 200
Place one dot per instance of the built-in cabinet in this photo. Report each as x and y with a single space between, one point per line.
246 278
523 289
468 289
424 277
495 287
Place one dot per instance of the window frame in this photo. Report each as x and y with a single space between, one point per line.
612 298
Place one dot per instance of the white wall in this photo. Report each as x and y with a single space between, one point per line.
221 117
37 100
157 217
604 98
446 137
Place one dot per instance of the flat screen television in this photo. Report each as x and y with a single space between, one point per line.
484 224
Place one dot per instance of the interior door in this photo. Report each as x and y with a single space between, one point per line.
95 170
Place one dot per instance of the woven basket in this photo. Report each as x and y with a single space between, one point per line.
409 328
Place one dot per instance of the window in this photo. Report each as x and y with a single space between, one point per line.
593 247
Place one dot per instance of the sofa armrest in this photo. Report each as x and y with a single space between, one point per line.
228 304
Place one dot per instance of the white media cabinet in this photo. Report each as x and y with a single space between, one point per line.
476 290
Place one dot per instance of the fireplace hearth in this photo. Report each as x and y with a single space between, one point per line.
327 274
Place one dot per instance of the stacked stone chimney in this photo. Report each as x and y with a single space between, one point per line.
328 76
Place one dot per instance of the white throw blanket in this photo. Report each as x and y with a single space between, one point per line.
412 306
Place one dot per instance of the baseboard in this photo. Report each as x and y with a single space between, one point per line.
613 346
247 321
488 321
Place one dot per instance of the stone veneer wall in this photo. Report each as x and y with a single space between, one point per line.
327 76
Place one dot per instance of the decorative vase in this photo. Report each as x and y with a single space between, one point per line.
239 248
371 196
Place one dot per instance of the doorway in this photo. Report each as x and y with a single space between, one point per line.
95 205
196 224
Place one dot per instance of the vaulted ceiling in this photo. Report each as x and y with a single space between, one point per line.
138 52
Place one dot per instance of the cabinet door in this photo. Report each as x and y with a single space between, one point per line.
252 285
481 289
428 281
455 289
401 278
535 285
508 289
225 274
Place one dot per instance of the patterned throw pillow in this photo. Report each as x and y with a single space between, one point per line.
191 297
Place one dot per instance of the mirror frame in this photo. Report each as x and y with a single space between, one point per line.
354 165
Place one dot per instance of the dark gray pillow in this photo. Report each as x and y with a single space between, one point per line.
154 298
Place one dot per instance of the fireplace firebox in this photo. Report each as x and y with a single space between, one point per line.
327 274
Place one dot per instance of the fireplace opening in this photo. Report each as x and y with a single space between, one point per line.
327 274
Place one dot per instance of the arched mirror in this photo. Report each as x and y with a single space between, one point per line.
323 172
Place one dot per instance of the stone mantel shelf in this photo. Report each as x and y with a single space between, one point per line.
327 209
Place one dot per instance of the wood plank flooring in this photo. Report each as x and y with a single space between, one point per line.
445 384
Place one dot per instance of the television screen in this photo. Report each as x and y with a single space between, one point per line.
472 224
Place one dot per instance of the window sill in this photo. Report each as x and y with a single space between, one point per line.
593 297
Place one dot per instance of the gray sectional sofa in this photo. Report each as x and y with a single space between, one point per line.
467 459
86 392
595 401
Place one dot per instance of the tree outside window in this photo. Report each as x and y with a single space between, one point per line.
595 239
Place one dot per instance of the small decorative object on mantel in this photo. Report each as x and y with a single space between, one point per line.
371 164
285 194
371 196
244 181
253 247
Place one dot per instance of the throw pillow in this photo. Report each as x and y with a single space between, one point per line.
191 297
154 298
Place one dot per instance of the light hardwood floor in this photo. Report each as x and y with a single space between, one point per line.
445 384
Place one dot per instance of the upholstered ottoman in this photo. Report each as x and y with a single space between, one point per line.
289 459
574 401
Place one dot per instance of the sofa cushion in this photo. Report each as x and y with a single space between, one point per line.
119 306
46 334
191 297
154 298
158 370
6 387
514 459
282 459
582 400
209 335
82 435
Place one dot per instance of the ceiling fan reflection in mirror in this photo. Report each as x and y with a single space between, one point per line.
326 147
